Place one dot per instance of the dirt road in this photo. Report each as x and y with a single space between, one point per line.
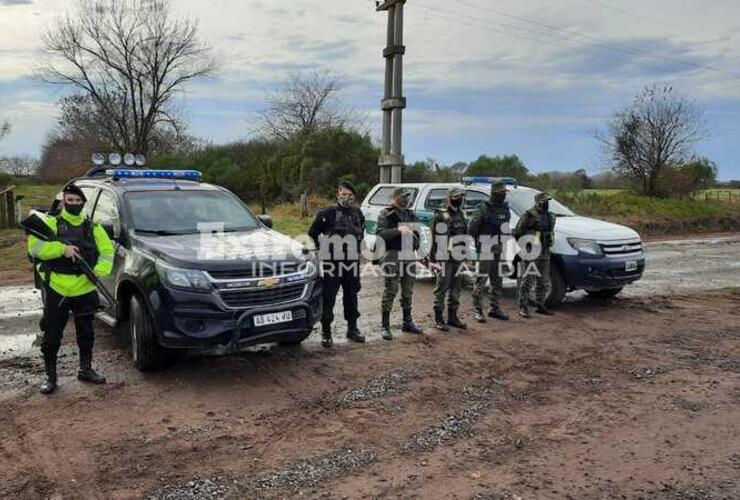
634 398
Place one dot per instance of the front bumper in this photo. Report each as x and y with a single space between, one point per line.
599 273
187 320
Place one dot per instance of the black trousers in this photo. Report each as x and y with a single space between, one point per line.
54 320
350 286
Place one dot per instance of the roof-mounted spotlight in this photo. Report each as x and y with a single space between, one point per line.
129 159
114 159
98 159
140 160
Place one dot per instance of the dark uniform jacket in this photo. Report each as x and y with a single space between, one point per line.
388 221
490 220
338 221
457 225
534 222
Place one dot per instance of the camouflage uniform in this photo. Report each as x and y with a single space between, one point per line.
398 272
449 280
398 263
491 220
541 225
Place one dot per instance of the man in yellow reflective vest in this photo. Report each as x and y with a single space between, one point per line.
67 288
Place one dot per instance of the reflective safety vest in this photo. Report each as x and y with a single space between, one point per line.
62 275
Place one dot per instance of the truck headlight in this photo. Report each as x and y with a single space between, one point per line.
187 279
309 270
590 248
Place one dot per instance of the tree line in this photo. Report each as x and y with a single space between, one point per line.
126 63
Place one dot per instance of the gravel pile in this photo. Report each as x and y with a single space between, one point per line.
391 383
309 473
197 489
456 425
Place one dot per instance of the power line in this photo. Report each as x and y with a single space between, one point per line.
652 19
506 30
553 35
609 43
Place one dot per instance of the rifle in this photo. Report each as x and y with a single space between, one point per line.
35 226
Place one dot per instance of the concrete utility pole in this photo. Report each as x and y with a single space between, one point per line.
391 160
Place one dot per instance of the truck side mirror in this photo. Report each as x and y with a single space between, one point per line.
266 220
112 229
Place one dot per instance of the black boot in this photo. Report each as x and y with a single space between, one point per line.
439 321
326 339
50 384
497 313
524 311
353 333
86 373
543 309
408 323
454 321
478 315
386 324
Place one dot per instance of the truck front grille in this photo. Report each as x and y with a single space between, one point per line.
256 270
621 249
242 299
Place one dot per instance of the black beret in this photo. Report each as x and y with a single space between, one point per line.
347 185
72 189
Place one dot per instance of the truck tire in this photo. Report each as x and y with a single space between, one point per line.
607 293
557 289
297 340
147 354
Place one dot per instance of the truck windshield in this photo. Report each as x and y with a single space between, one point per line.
521 200
180 212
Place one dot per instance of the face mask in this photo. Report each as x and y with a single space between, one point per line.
456 202
544 206
498 198
74 209
346 200
403 201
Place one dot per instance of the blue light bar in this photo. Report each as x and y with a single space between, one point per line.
490 180
124 173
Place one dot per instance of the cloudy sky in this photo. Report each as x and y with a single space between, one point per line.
533 78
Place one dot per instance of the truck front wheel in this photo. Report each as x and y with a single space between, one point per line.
557 288
147 354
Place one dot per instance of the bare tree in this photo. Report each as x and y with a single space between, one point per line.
19 166
130 59
307 102
658 131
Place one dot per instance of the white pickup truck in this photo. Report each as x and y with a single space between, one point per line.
588 254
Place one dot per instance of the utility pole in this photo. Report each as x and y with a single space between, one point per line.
391 160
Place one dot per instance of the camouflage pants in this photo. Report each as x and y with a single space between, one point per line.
488 270
449 283
531 280
398 274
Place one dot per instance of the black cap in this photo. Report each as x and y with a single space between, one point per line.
347 185
72 189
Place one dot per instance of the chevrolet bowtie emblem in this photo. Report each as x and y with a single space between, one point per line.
268 282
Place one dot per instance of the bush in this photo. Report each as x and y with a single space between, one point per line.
5 180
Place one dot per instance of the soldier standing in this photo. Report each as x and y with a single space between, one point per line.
490 231
448 253
337 233
395 228
539 224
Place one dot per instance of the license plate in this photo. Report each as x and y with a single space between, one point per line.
273 318
630 266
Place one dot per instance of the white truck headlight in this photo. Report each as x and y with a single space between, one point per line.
590 248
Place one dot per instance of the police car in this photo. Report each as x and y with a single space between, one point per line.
588 254
194 267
